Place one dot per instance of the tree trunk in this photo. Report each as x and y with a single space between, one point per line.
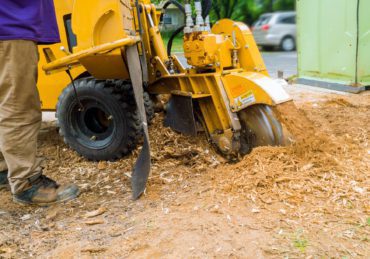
271 6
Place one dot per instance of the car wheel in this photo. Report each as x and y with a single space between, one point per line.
287 44
268 48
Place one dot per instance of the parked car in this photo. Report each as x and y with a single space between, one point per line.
276 29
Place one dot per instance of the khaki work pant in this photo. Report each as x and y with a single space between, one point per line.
20 112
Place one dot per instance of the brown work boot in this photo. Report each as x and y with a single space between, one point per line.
4 183
45 191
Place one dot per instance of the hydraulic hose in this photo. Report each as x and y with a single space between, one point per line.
167 4
207 6
173 36
176 32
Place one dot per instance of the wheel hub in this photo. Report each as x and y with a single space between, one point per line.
94 124
97 120
288 44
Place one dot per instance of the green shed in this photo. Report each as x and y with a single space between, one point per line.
334 44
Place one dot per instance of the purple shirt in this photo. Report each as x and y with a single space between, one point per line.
28 20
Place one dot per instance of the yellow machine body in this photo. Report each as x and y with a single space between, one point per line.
51 86
231 87
206 49
97 28
227 73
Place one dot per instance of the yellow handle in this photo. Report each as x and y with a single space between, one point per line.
71 60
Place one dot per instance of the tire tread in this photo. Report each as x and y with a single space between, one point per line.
134 131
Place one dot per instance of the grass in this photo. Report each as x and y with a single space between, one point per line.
299 241
177 45
301 244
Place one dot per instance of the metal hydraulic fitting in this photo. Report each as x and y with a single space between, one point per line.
199 22
189 19
207 26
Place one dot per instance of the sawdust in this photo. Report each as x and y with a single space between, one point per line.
314 157
319 178
307 199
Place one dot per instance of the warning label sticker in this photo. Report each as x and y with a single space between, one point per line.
245 99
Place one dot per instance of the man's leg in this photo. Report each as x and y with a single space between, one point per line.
4 183
20 119
20 111
3 166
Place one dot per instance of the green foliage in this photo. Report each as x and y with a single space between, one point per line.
156 2
227 8
248 10
177 45
245 10
284 5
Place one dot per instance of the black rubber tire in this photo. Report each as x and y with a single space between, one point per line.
127 92
149 107
268 48
260 127
106 129
282 46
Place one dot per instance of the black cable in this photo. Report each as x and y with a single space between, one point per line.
207 7
167 4
75 90
173 36
175 33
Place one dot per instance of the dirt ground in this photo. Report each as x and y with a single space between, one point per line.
307 200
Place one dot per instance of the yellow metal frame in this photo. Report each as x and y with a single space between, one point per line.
227 90
235 77
250 58
72 60
51 86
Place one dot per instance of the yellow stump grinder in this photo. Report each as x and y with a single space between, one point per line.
113 52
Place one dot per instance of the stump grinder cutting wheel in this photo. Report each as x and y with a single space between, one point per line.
260 127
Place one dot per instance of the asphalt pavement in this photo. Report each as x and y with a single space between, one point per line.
283 61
